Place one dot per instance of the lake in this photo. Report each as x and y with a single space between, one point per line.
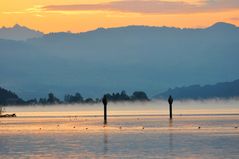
205 129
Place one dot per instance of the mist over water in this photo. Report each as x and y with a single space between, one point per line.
199 129
157 107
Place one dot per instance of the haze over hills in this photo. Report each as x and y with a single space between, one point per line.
131 58
223 90
18 32
219 90
8 97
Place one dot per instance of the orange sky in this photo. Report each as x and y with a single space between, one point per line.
83 15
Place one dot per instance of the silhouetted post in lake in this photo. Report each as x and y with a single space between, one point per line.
104 101
170 101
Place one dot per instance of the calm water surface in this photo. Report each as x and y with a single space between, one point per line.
146 134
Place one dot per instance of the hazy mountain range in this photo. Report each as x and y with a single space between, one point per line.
151 59
18 32
219 90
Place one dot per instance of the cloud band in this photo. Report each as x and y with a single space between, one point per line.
151 6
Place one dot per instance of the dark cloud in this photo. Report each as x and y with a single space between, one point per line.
151 6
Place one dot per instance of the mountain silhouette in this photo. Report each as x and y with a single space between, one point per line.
18 32
219 90
129 58
223 26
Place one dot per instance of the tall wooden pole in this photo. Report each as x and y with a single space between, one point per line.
105 102
170 102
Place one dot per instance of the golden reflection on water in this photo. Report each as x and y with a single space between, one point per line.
106 141
152 116
133 131
133 124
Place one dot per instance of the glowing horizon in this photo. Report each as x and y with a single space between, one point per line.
82 15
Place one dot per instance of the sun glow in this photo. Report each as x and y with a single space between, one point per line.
34 14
